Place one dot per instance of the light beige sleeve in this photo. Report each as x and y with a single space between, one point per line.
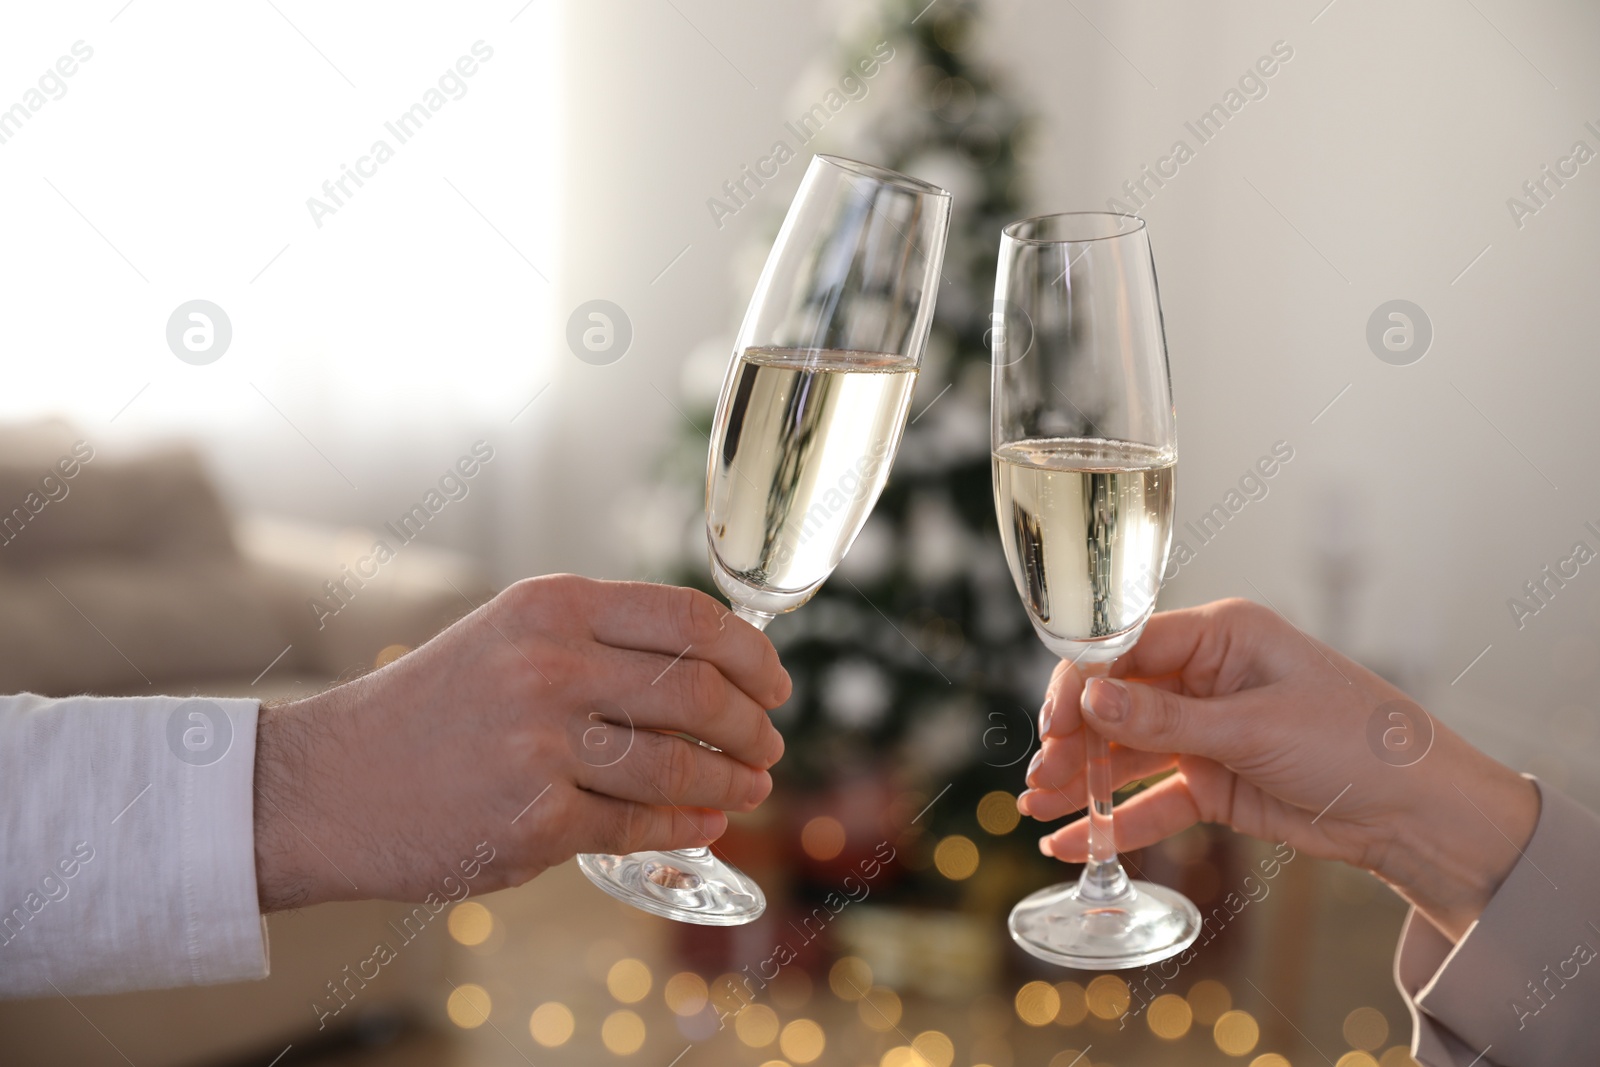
1522 987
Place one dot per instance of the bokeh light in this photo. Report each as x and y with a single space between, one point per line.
629 980
388 654
823 838
1209 999
1107 996
956 857
1169 1016
1398 1056
902 1056
686 993
1074 1004
1037 1003
935 1048
1356 1059
880 1009
470 923
1236 1033
622 1033
850 978
1271 1059
551 1024
468 1006
1069 1057
1366 1029
756 1025
997 813
802 1041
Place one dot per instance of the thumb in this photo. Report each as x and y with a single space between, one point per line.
1156 720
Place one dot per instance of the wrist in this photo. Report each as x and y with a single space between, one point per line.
284 805
1458 845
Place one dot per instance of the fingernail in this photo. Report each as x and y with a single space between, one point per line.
760 788
1046 713
711 824
1033 766
1044 847
1106 699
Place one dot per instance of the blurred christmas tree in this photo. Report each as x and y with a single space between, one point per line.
915 663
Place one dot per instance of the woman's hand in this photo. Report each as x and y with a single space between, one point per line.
541 724
1280 737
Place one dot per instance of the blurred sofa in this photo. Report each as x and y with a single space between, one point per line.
126 574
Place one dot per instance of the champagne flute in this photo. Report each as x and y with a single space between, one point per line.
810 416
1085 444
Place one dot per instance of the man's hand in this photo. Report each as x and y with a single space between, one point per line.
542 723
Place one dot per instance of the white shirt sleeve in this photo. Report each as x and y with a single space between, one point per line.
127 844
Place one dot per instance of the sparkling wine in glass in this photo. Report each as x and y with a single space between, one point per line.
1084 449
810 416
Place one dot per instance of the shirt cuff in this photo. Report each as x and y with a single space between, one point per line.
149 803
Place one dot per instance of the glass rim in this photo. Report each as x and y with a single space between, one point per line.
1011 229
884 175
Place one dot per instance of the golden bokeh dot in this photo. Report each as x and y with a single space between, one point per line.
388 654
622 1033
1236 1033
997 813
468 1006
956 857
775 1063
1107 996
1074 1004
1398 1056
1068 1057
1209 999
1270 1059
470 923
850 978
1366 1029
1356 1059
1169 1016
756 1025
1037 1003
823 837
629 980
686 993
879 1009
902 1056
551 1024
935 1048
802 1041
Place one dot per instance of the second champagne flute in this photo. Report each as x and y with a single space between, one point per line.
810 417
1085 448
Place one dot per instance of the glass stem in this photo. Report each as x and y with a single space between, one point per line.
1103 878
759 620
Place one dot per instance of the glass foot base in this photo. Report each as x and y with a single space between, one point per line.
1146 924
691 886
